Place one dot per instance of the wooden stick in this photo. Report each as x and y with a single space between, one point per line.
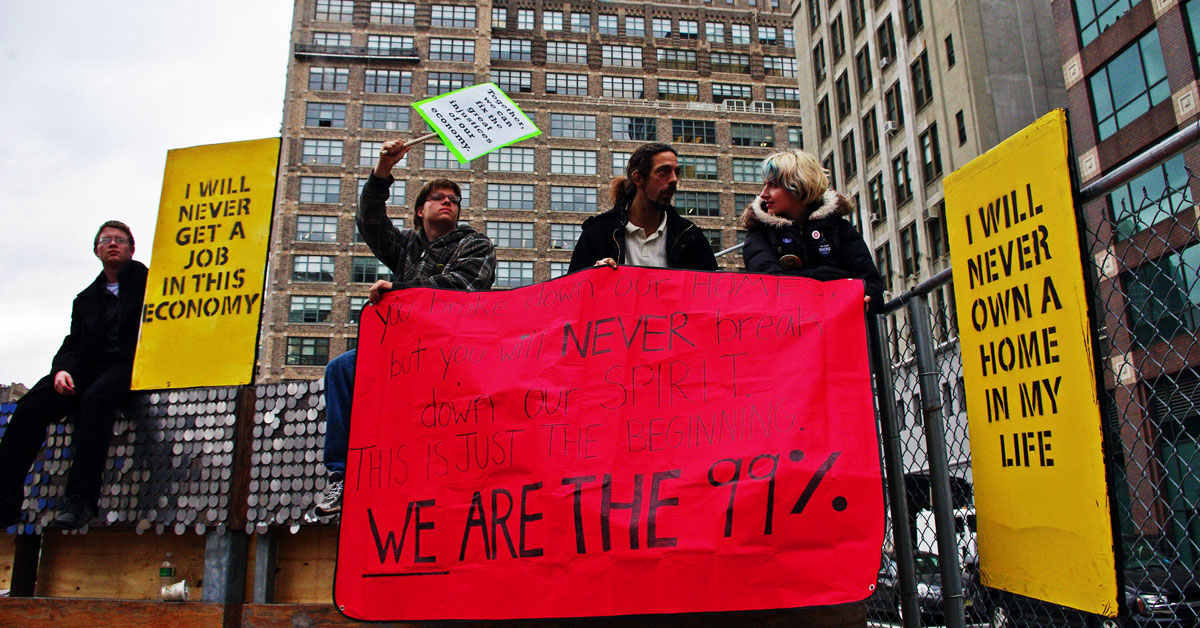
423 138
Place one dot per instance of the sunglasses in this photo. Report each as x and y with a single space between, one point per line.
438 196
108 239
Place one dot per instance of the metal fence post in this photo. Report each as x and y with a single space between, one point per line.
893 460
939 475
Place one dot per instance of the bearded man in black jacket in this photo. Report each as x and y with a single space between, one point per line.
89 379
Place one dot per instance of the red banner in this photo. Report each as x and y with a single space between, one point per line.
611 443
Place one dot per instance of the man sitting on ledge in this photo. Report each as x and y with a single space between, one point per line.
89 379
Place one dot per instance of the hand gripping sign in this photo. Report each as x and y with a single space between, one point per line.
610 443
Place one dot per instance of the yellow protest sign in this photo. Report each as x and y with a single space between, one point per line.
205 288
1042 505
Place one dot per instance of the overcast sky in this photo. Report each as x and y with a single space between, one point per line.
92 95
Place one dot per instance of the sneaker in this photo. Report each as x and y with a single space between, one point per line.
329 503
75 514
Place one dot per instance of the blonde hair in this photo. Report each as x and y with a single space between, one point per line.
798 172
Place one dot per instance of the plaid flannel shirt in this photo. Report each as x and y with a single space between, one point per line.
463 259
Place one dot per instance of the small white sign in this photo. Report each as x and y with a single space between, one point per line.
476 120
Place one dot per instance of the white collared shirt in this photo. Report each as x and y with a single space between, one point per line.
642 249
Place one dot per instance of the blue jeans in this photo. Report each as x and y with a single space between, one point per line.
339 394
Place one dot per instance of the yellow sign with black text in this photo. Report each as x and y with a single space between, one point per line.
1041 498
204 293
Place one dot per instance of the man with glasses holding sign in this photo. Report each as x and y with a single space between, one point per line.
436 253
89 379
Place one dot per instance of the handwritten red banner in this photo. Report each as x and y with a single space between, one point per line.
611 443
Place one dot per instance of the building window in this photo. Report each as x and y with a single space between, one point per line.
1154 195
307 351
452 16
608 24
849 160
552 20
745 134
388 81
389 45
841 89
356 307
961 123
634 129
446 82
714 238
325 114
572 199
741 201
322 152
512 235
310 309
566 84
902 183
1129 85
661 26
678 90
824 121
783 97
935 228
697 167
1164 296
564 237
511 159
1094 16
818 55
789 38
512 49
689 29
329 79
747 170
714 32
913 20
572 161
795 137
510 196
780 66
385 117
726 91
922 82
581 22
331 40
393 13
513 81
837 38
883 261
335 10
621 56
438 157
895 107
950 51
694 131
510 274
369 270
857 15
622 87
320 189
878 204
862 68
619 160
395 199
316 228
767 35
739 34
525 19
676 59
831 167
885 38
566 52
314 268
732 62
698 203
870 134
814 14
635 26
499 18
931 155
398 223
558 269
452 50
910 253
573 125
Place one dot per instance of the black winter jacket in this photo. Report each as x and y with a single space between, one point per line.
604 236
828 246
81 349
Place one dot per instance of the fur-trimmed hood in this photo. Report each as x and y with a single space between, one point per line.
832 204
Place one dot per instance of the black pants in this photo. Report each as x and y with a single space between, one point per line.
98 396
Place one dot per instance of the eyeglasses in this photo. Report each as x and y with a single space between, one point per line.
438 196
111 239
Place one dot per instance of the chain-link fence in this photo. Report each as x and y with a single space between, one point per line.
1141 236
